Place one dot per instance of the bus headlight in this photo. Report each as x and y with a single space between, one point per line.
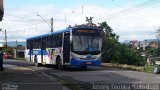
99 57
76 57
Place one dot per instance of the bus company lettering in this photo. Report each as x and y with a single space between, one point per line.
53 52
86 31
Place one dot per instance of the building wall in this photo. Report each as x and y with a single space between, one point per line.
1 10
154 45
20 51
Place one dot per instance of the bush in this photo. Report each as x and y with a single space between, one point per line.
123 55
115 52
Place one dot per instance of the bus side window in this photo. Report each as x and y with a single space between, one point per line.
60 40
47 42
56 40
53 41
39 43
52 37
43 43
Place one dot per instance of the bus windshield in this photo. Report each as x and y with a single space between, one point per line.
86 43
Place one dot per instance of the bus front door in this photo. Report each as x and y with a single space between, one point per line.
66 48
30 52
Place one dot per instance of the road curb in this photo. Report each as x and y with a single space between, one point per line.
125 67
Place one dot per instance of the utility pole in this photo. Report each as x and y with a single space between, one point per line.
5 37
51 24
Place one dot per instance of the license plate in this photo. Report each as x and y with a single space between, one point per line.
88 62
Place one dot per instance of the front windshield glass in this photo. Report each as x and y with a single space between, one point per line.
86 43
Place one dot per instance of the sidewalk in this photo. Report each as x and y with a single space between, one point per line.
21 78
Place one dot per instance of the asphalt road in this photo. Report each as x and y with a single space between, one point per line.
18 76
100 77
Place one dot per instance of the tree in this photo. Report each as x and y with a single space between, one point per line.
110 47
115 52
112 50
154 52
89 20
8 50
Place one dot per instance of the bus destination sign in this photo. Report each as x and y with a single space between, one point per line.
86 32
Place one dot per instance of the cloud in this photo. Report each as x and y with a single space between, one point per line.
22 23
139 25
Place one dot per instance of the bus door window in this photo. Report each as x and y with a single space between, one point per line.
31 48
43 47
43 43
66 47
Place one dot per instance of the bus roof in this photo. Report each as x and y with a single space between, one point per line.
51 33
61 31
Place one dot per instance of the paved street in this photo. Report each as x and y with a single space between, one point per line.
18 76
107 44
95 75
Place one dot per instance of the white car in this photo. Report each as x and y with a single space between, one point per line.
156 67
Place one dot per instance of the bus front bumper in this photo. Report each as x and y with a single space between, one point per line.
76 62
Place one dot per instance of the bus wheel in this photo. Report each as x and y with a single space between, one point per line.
83 67
59 64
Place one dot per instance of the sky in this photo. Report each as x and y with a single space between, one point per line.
130 19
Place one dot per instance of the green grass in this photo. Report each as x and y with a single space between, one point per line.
148 69
18 58
70 85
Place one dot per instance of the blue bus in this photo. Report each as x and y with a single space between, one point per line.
78 46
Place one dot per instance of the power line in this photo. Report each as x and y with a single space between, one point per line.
18 16
122 12
50 25
25 20
129 10
19 29
125 12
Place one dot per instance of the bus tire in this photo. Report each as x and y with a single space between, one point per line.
59 63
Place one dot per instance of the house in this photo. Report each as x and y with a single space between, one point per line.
154 44
19 51
1 10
